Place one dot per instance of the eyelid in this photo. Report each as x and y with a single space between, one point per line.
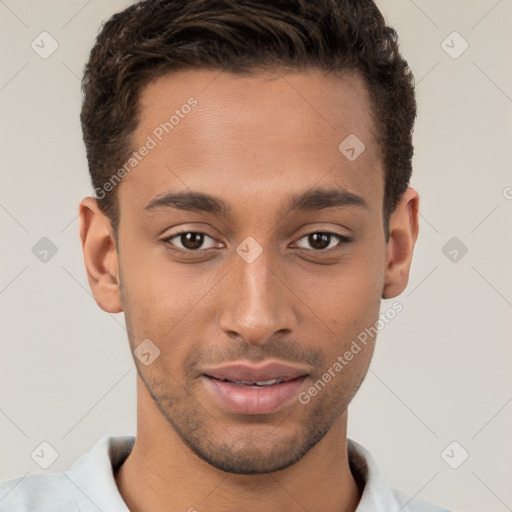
342 240
167 241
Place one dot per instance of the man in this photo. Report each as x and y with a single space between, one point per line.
251 163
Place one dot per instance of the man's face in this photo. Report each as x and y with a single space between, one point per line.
258 283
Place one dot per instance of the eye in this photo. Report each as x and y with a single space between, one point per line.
322 240
190 240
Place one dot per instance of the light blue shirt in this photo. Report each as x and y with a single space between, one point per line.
89 486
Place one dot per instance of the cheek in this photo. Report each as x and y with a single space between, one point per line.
345 297
164 307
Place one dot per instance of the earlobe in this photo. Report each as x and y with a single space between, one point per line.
403 233
100 256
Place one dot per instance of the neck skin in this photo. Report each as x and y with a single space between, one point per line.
163 474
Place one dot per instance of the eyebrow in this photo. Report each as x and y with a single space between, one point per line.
310 200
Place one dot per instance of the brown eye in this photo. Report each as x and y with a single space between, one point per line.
189 240
321 241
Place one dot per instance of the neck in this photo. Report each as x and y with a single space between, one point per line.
163 474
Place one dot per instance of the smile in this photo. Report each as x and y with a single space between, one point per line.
254 397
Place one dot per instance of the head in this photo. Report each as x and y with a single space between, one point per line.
251 163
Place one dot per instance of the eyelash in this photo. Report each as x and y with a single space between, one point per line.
341 238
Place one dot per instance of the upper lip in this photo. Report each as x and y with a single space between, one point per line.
247 372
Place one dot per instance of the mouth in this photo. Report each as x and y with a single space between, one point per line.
257 384
251 389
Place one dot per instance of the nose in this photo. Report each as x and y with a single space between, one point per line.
256 303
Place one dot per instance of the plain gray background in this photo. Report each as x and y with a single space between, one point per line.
441 369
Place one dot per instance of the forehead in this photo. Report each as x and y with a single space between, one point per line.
226 132
338 104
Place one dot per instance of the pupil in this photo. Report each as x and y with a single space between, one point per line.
315 238
192 240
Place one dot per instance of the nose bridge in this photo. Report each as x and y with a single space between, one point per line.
256 304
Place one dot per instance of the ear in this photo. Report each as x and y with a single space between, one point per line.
403 232
100 256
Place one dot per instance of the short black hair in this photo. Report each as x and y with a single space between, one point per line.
156 37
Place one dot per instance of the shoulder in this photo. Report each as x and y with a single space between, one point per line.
88 486
42 492
377 494
407 503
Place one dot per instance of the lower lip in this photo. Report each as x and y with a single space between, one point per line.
254 400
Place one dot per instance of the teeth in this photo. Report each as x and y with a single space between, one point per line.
268 382
258 383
